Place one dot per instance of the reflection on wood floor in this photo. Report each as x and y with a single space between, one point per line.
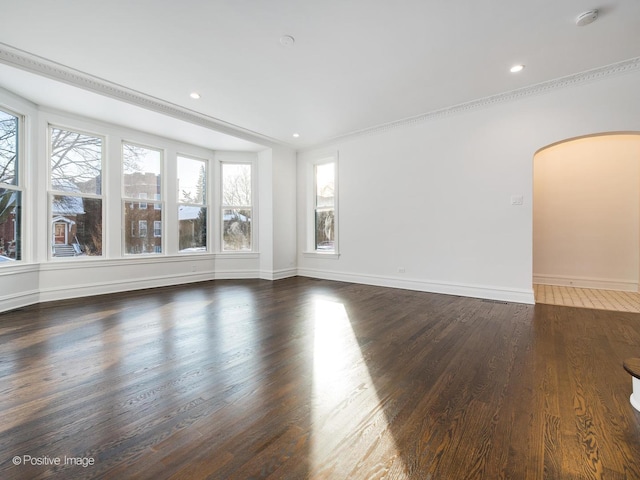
312 379
588 298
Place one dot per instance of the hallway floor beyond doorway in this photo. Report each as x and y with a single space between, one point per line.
587 298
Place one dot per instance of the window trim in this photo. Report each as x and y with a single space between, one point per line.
135 202
315 159
205 204
223 206
51 192
19 185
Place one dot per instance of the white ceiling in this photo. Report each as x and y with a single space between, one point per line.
355 64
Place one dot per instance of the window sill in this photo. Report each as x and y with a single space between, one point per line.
325 255
232 254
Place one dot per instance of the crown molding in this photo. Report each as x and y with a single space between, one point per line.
41 66
595 74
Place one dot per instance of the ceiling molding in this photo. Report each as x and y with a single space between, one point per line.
41 66
625 66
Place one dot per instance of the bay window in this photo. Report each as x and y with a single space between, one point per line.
75 193
142 179
10 188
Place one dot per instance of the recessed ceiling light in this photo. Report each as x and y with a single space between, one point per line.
296 135
195 95
516 68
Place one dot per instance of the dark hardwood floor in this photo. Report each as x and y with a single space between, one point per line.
305 378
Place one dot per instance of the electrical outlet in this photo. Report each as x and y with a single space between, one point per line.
401 270
517 200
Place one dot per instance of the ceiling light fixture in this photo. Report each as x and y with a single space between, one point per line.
287 41
296 135
586 18
195 95
516 68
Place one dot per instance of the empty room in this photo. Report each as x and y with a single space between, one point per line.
320 240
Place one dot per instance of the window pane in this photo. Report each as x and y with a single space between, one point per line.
76 226
139 237
192 181
325 229
236 184
8 148
10 218
193 228
236 229
141 168
76 162
325 185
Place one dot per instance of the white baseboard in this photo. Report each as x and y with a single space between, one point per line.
24 299
278 274
586 282
102 288
447 288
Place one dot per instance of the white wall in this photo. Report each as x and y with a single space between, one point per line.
434 197
586 215
277 175
284 212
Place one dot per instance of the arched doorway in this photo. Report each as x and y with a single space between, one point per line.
586 220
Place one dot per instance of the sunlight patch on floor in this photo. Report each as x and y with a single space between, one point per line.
340 379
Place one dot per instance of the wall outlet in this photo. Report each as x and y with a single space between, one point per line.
517 200
401 270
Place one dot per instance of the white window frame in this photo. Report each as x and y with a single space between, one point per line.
143 205
51 192
19 185
157 204
206 204
312 161
143 226
224 207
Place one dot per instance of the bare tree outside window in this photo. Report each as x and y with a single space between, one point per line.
8 148
325 207
236 207
76 199
10 193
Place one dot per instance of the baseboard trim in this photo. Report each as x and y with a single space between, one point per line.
278 274
464 290
21 300
586 282
104 288
11 302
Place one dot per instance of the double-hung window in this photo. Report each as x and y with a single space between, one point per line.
10 188
325 207
236 211
192 205
142 180
75 193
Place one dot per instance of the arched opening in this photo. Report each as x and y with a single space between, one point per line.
586 222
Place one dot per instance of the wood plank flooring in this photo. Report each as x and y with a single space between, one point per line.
303 378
